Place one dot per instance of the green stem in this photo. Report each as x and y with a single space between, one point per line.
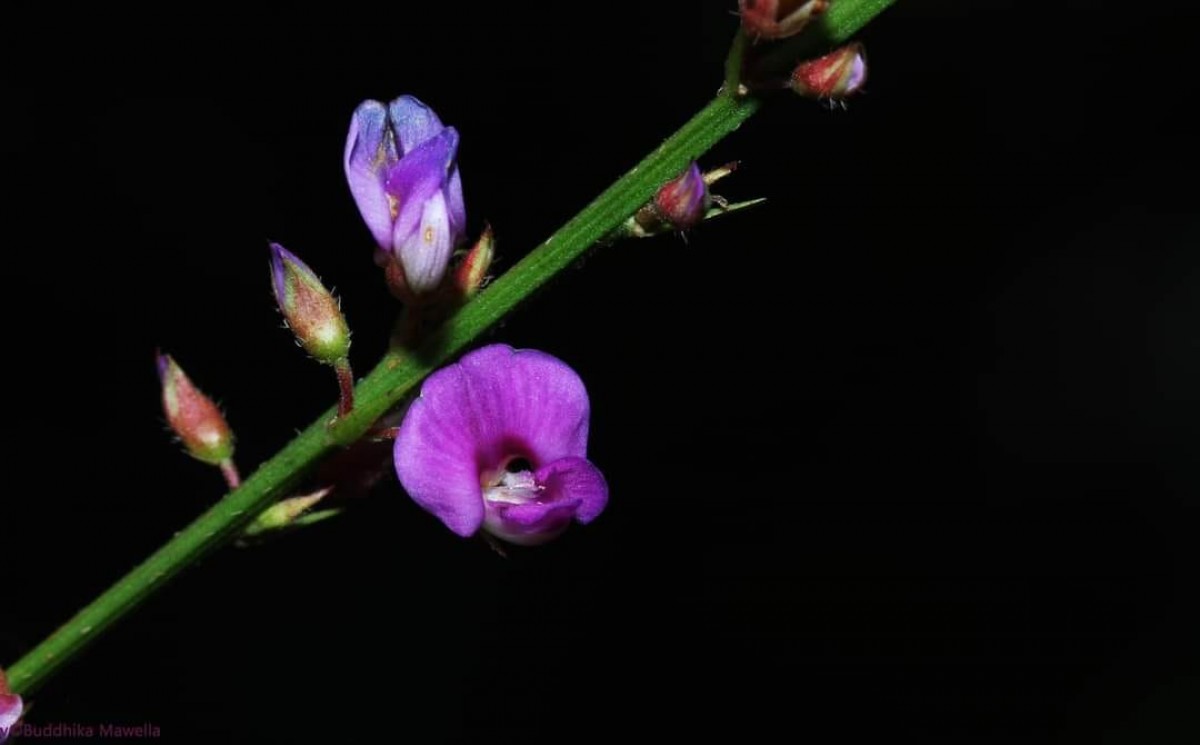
733 63
396 375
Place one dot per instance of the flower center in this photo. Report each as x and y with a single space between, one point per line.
514 487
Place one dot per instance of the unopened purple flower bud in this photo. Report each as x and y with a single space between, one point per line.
684 200
401 164
11 708
193 416
834 76
499 441
777 19
311 311
681 204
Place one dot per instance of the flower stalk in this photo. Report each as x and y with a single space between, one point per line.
230 472
345 377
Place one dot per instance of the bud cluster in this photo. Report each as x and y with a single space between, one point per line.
832 77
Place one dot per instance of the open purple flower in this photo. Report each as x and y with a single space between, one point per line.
499 441
401 164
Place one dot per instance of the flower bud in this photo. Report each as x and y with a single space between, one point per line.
401 163
471 273
777 19
193 416
681 204
286 513
684 200
311 311
835 76
11 708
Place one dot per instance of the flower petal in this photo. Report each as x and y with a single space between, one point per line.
569 488
370 150
458 210
527 404
416 178
425 253
529 524
413 122
279 254
574 481
435 452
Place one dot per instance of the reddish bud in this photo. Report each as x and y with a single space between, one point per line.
11 708
471 273
311 311
836 75
777 19
684 200
193 416
680 204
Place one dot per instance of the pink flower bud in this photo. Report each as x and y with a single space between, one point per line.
193 416
311 311
777 19
683 201
680 204
836 75
11 708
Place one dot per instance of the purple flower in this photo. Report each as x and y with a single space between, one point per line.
401 165
499 441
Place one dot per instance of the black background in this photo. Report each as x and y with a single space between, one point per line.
909 450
